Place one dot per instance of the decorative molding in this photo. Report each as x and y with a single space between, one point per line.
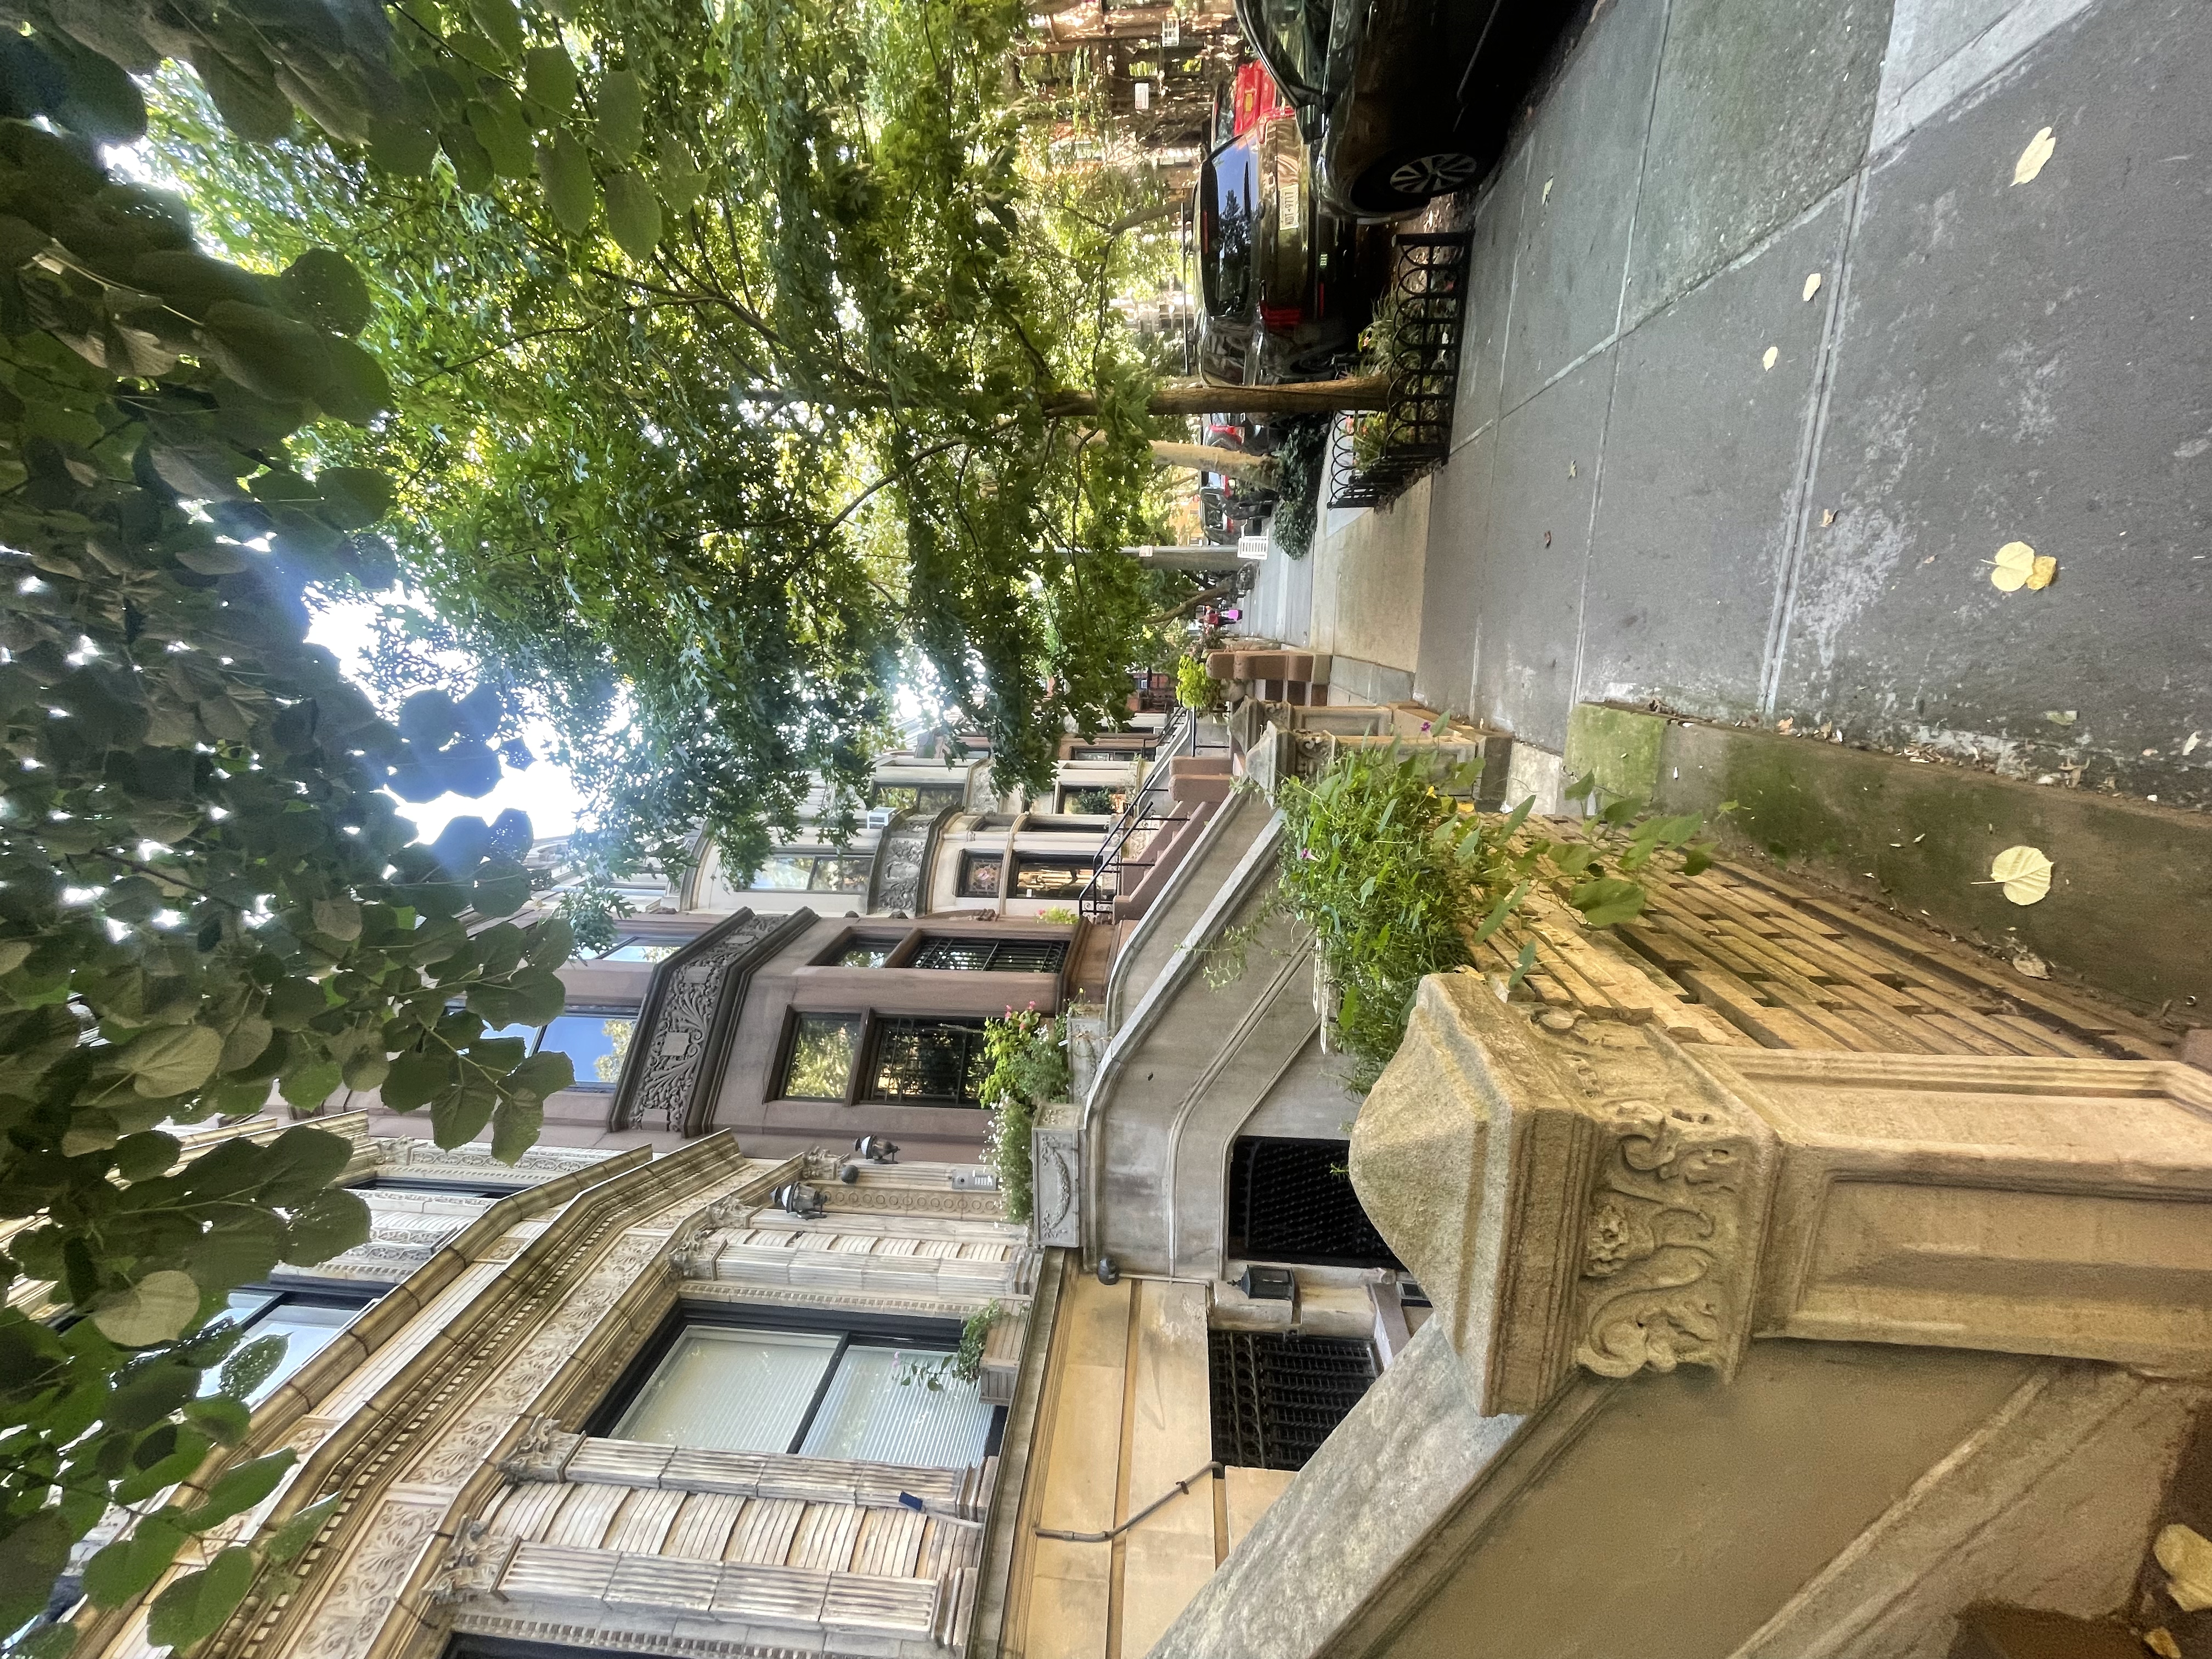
897 882
402 1157
685 1024
819 1295
1667 1209
1056 1177
1570 1195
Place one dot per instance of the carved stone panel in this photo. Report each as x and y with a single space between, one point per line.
1056 1175
1581 1195
687 1005
897 884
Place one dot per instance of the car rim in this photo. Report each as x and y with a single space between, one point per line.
1433 175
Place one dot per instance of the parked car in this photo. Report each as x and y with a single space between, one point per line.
1402 100
1284 283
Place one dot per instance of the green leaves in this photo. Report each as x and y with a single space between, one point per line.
633 214
196 1604
322 288
237 1490
132 1565
621 108
331 1223
171 1060
564 171
156 1309
549 81
1607 901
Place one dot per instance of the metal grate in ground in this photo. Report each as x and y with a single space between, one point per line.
1276 1395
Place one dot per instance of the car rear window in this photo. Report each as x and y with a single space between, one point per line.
1288 39
1227 209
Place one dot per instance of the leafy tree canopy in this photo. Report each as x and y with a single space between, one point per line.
207 896
722 338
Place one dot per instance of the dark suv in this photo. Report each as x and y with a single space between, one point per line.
1282 278
1402 99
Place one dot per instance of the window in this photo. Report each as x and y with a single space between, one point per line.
812 872
919 796
980 873
1047 876
995 956
1095 800
308 1321
1123 755
864 953
863 1394
822 1047
641 948
927 1062
596 1041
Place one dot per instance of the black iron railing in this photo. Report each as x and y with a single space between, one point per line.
1149 812
1376 456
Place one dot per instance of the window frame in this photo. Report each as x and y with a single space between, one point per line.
360 1295
867 1057
864 1081
876 1330
1085 864
972 859
816 856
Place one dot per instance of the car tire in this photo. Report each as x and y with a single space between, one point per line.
1415 175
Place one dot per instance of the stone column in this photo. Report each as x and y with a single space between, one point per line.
1584 1194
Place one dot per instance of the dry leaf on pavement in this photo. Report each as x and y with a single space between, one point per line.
2014 563
1811 285
1773 352
2022 873
2033 158
2186 1555
2043 572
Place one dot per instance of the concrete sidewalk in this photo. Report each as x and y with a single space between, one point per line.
1768 354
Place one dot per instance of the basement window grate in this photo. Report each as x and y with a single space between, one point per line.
1292 1201
1276 1395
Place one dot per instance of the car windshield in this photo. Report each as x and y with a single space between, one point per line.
1289 34
1227 210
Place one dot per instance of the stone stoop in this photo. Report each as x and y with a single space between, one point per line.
1746 1352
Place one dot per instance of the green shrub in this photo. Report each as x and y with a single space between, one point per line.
1195 687
1397 880
1027 1054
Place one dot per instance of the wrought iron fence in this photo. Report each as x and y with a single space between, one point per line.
1377 455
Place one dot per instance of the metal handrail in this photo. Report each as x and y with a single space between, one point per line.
1095 900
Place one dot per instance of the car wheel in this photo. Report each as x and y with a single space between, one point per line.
1409 177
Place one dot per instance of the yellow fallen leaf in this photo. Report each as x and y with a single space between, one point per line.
1811 285
2033 158
2043 572
1547 183
2022 873
2186 1555
2162 1642
2013 564
1827 517
1772 353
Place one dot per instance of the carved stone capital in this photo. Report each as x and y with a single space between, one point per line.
542 1452
1577 1195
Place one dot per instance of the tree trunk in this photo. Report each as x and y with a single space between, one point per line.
1202 398
1207 458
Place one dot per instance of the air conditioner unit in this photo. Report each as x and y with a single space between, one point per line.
879 817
